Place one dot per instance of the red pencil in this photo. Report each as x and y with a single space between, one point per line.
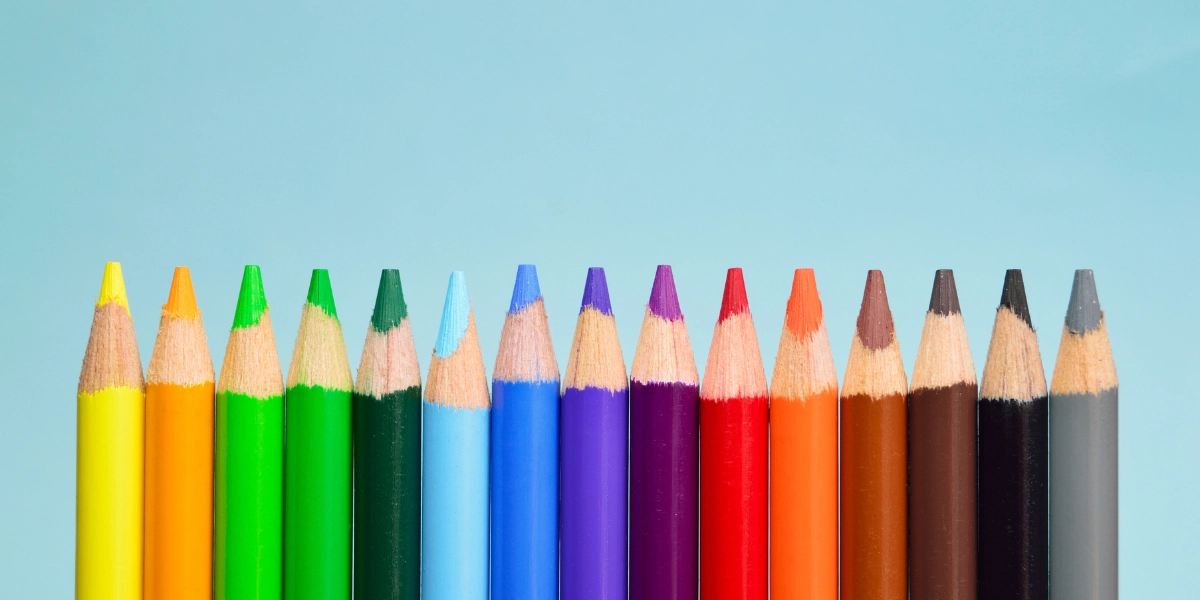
733 456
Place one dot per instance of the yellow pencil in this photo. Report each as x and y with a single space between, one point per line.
108 509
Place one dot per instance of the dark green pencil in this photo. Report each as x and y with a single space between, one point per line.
387 453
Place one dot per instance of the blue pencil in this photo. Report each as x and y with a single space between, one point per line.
525 451
454 517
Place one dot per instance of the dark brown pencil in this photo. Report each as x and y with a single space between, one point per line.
941 454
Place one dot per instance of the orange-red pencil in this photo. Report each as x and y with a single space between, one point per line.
804 452
179 453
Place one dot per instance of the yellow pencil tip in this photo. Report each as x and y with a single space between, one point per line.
112 287
181 303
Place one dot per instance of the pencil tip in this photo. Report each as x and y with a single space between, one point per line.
181 302
390 308
874 326
526 290
112 286
664 301
595 292
1013 296
944 300
320 292
456 313
734 301
804 313
1083 315
252 300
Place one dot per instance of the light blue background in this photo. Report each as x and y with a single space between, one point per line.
976 136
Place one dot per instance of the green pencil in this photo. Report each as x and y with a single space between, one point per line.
316 522
249 447
387 453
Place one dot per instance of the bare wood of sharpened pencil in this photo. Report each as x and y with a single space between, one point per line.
459 380
111 359
251 365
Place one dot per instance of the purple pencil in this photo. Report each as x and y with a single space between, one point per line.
664 461
595 418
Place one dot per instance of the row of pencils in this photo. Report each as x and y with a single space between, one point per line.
602 486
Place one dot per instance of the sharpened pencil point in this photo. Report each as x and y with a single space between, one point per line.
112 286
944 300
525 290
252 300
390 309
734 301
595 292
804 313
320 292
1013 296
455 315
181 302
1083 315
874 326
664 301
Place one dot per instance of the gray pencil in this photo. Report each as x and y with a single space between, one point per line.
1083 454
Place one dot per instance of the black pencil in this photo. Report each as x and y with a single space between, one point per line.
1013 541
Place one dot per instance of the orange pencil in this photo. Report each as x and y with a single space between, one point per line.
804 452
179 453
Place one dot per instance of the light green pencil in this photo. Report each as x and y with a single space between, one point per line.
249 463
316 524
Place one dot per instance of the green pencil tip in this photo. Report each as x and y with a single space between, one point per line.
320 293
252 300
389 302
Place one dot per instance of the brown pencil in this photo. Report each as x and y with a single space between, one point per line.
874 462
941 453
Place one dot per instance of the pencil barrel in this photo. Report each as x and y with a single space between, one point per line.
595 423
455 503
941 487
804 497
1013 528
248 544
179 492
109 503
317 494
524 475
1083 496
733 498
874 498
664 494
387 495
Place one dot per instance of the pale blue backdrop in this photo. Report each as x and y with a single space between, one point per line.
842 136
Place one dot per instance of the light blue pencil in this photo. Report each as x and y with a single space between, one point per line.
454 504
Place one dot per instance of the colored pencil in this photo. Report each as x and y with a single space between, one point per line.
1013 535
109 467
595 438
1083 453
941 453
387 453
457 416
179 452
873 456
733 455
524 450
664 453
804 452
316 520
248 559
